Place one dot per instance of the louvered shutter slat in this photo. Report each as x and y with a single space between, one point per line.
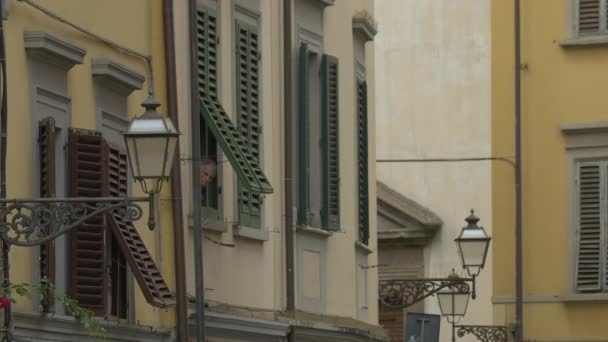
149 278
248 115
331 147
589 248
362 162
588 16
46 157
87 164
303 134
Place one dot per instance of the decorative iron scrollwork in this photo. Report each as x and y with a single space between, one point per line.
35 221
485 333
401 293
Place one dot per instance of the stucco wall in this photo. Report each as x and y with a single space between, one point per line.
136 24
433 101
560 86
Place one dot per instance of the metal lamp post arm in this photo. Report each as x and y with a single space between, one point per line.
402 293
484 333
32 222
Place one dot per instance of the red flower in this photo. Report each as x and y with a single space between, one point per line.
4 302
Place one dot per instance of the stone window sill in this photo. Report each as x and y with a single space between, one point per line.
251 233
582 42
209 225
363 248
585 297
314 231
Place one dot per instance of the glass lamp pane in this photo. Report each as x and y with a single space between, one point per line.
473 252
131 153
150 154
452 303
461 300
171 146
156 125
445 303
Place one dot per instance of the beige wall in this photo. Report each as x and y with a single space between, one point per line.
433 101
136 24
252 273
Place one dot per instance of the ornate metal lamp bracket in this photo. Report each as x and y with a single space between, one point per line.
31 222
401 293
484 333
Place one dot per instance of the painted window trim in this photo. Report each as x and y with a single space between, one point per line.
582 142
576 40
116 76
53 49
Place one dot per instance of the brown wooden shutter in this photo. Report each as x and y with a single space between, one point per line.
140 261
88 177
46 156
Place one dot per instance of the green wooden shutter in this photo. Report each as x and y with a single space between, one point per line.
207 45
88 177
589 16
207 68
46 157
590 220
303 135
248 114
331 147
362 161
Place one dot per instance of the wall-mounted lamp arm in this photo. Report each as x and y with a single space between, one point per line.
402 293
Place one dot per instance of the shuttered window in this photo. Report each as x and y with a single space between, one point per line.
218 123
248 114
46 157
592 17
362 162
88 177
592 224
303 162
207 45
97 170
331 147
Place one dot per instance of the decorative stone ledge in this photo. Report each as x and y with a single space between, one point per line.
583 42
364 27
314 231
116 76
325 3
251 233
31 326
53 49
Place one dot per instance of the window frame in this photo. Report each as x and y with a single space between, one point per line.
583 142
573 39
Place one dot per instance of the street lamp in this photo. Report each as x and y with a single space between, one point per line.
473 243
472 246
151 140
453 303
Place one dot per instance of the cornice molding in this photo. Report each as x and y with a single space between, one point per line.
585 135
116 76
53 49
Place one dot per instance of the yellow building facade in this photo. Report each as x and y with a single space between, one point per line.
564 132
58 74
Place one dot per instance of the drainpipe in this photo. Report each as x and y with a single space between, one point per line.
518 191
176 180
196 183
288 156
3 141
